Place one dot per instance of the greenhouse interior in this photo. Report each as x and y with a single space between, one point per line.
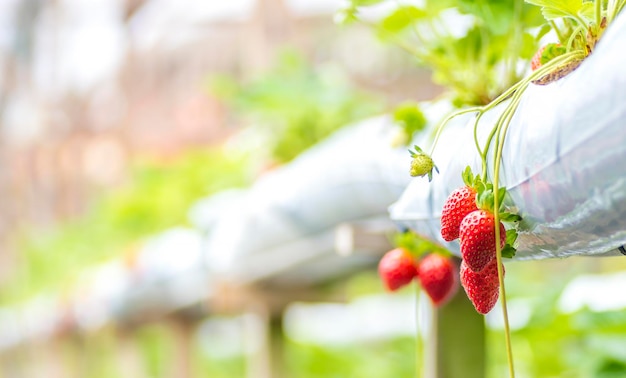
312 189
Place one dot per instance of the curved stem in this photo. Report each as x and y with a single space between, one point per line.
418 335
443 123
499 132
559 35
598 14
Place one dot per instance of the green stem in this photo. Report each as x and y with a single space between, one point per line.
499 132
598 11
446 120
558 32
477 143
418 335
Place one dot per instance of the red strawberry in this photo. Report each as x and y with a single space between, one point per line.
459 203
477 234
482 288
397 269
438 277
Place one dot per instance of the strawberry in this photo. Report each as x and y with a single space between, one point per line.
482 288
477 235
397 269
459 203
438 277
535 62
545 54
422 164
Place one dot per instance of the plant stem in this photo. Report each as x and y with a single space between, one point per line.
558 32
446 120
598 11
499 132
418 335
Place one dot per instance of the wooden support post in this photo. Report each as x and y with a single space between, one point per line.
455 347
183 339
129 358
277 346
256 333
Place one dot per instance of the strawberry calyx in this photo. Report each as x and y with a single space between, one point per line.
485 200
471 180
418 245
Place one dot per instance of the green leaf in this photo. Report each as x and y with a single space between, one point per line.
588 11
558 7
401 18
543 30
508 251
410 117
574 9
509 217
364 3
511 236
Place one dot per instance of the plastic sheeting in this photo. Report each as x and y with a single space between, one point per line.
563 161
169 275
288 217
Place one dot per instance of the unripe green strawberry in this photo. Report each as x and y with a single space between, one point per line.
535 62
438 277
459 203
477 236
482 288
545 54
397 269
422 164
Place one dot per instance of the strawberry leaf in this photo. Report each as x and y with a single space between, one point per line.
508 251
402 18
509 217
553 9
410 117
545 29
511 236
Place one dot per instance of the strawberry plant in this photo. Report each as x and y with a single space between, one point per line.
481 80
471 46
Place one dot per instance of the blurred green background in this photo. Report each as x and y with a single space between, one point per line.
106 147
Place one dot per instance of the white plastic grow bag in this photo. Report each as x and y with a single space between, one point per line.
288 217
564 161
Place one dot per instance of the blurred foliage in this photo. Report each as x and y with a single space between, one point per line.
156 196
472 46
553 344
294 105
411 119
368 360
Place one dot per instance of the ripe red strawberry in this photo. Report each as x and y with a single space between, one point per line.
438 277
459 203
397 269
477 234
482 288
